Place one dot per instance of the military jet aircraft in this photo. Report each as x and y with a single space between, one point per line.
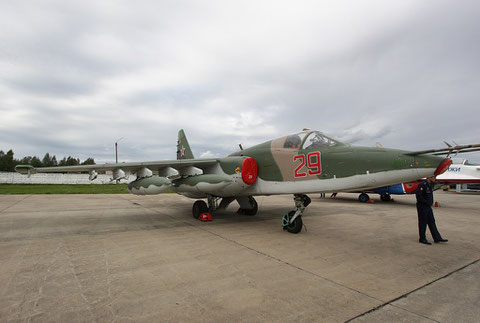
298 164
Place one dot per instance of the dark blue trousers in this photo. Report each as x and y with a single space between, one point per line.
425 217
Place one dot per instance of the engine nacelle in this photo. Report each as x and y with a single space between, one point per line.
149 186
207 183
238 174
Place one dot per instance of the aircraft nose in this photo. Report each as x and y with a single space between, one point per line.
442 168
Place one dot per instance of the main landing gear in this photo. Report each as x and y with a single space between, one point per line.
363 197
248 205
198 208
385 197
292 221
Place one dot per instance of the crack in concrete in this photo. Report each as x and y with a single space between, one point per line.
413 291
15 203
289 264
69 253
383 304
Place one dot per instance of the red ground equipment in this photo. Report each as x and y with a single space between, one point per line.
204 217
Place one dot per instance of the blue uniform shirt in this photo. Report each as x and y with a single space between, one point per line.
424 194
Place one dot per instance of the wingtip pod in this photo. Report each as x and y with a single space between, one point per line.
25 169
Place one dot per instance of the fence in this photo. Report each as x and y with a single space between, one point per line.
16 178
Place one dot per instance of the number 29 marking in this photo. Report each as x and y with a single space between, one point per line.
312 160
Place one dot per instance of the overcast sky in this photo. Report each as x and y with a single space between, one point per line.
76 76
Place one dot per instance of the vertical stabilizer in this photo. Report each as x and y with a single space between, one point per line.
183 148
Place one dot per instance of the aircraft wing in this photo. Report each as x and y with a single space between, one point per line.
167 168
448 150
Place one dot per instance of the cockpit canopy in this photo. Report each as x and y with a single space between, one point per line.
302 140
310 139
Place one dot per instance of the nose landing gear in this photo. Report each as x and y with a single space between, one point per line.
292 221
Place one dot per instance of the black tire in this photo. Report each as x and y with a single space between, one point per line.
363 197
225 203
254 210
296 226
198 208
385 197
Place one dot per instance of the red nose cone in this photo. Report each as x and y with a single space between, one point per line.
249 170
442 168
411 187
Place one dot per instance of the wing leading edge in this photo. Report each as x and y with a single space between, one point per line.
167 168
448 150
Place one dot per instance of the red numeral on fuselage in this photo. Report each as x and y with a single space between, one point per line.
315 168
313 163
302 163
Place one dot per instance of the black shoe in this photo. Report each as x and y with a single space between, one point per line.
424 241
441 240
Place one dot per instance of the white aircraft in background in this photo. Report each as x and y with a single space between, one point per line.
461 172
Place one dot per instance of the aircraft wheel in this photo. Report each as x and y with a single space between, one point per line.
296 225
254 210
385 197
198 208
363 197
251 211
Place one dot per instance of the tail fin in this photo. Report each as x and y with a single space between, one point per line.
183 148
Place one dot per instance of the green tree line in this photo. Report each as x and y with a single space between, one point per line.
8 161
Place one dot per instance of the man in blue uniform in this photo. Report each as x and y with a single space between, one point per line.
424 195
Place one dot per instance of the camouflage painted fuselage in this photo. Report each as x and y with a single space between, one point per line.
300 166
306 162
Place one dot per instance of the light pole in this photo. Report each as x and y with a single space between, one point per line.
116 151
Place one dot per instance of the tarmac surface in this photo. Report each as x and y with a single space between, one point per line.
125 258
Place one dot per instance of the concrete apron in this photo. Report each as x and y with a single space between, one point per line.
136 258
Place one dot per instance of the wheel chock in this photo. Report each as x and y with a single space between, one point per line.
436 204
371 201
204 217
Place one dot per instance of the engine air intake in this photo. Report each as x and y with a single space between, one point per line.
249 170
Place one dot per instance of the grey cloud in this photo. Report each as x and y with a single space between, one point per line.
184 96
408 84
357 135
53 85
